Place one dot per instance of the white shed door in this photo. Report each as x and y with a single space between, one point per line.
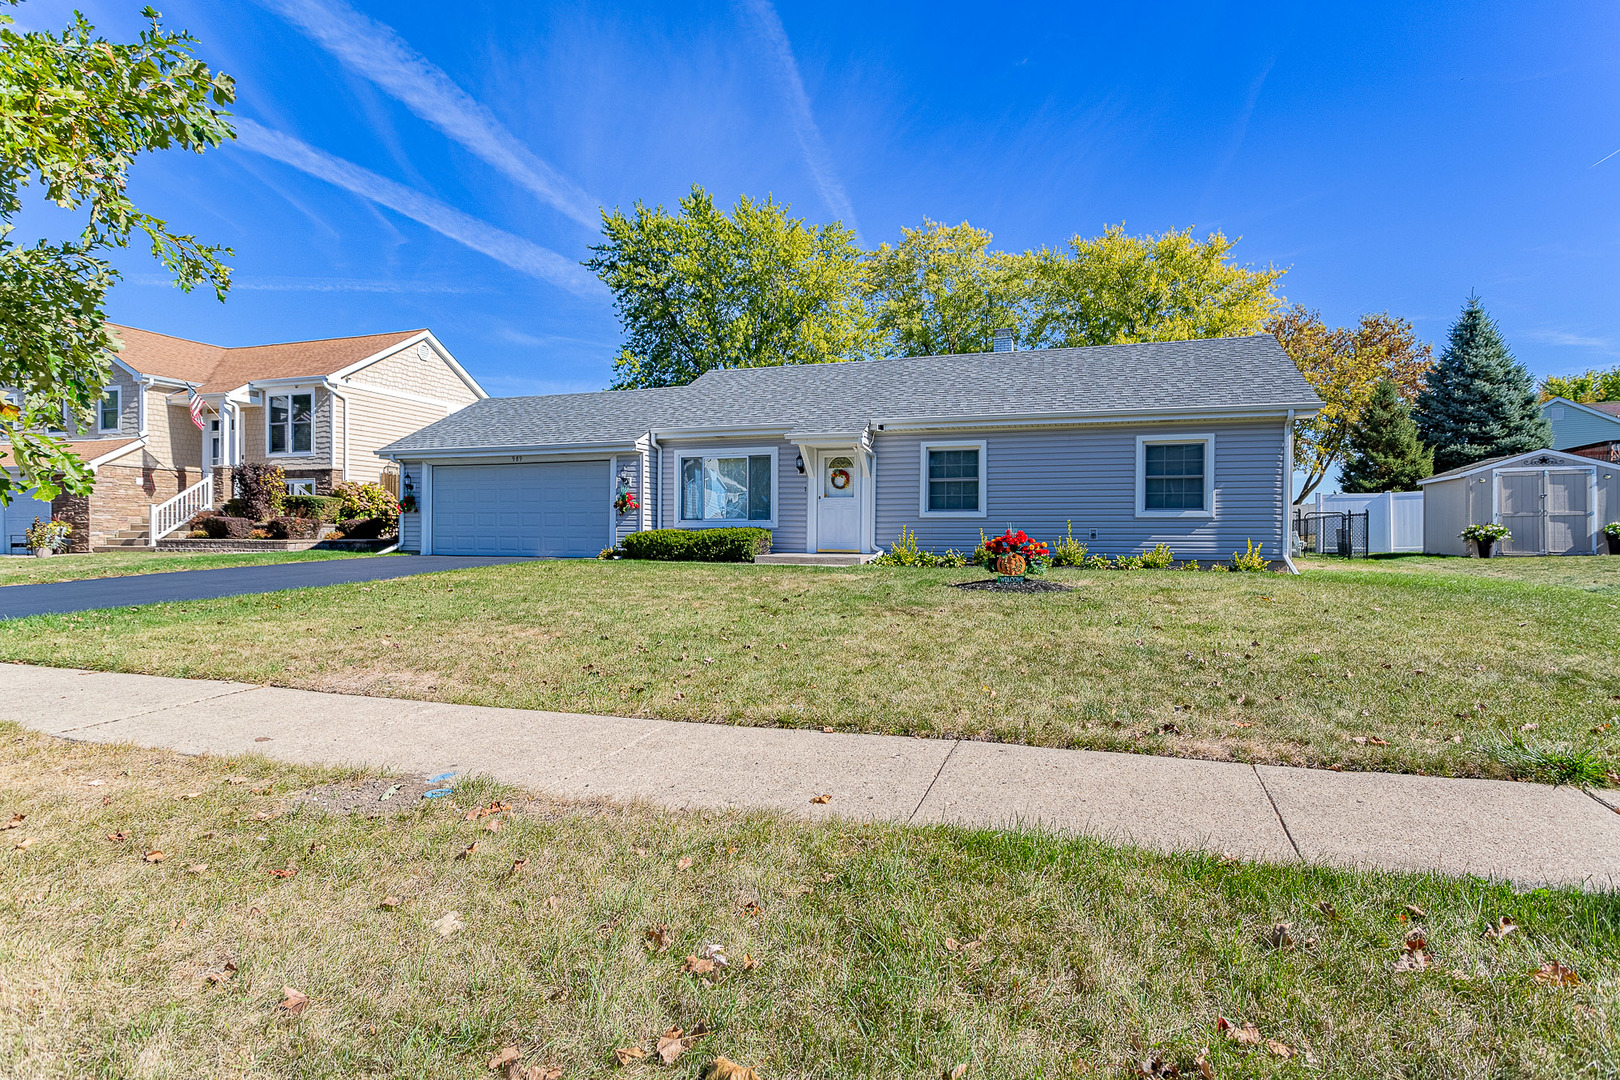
1568 529
17 517
1521 502
558 509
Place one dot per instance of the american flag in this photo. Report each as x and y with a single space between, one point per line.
196 406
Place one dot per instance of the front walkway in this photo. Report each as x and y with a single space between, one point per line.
60 597
1528 833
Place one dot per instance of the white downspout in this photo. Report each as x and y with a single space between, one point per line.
344 466
655 484
1288 492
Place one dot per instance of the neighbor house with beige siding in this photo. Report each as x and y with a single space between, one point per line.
319 409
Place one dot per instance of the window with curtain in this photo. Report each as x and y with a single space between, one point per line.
107 417
953 479
292 424
1173 476
726 488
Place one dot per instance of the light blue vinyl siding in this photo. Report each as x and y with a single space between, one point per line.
1039 479
790 494
1578 427
628 523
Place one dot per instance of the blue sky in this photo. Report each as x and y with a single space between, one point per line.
409 164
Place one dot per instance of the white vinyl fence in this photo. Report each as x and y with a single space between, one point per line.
1394 518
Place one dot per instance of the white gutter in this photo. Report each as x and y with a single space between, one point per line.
573 449
335 392
655 461
1114 416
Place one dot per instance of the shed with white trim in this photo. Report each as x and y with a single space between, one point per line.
1552 502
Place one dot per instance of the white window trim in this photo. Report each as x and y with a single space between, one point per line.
1142 443
313 407
118 424
684 454
984 474
302 482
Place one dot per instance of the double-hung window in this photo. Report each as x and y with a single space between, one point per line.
1174 476
953 479
107 418
739 486
292 423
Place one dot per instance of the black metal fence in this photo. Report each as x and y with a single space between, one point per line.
1342 534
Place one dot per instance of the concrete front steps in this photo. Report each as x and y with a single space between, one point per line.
130 539
814 558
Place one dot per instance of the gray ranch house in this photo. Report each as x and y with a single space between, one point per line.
1188 443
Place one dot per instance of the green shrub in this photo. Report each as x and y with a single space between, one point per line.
359 500
1251 561
1190 564
1095 562
233 508
905 552
263 487
1127 562
365 528
698 545
951 558
1069 551
315 507
1159 558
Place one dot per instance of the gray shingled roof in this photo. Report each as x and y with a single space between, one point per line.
1170 376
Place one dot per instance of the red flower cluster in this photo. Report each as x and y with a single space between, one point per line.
626 503
1016 543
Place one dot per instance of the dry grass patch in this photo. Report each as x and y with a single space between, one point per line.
852 950
1440 671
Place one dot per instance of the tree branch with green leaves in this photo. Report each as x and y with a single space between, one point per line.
76 110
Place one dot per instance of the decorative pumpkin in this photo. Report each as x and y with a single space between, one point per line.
1011 565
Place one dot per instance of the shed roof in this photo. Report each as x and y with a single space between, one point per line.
1190 377
1546 457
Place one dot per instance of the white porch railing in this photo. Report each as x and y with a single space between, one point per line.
169 516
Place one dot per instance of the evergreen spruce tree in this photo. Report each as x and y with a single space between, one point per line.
1478 401
1383 451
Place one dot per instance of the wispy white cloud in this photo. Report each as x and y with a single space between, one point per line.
769 25
376 52
513 251
1571 339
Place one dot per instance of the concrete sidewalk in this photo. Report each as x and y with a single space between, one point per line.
1528 833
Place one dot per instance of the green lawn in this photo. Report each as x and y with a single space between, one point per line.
1440 669
855 950
26 570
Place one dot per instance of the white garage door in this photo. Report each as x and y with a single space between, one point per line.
559 509
15 519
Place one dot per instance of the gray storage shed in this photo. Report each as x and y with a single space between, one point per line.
1553 503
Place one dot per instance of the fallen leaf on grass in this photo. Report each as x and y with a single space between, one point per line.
822 799
698 965
220 976
184 795
952 945
519 864
467 852
659 938
1414 911
1414 953
285 873
24 844
293 1001
1326 908
267 815
388 903
1247 1035
197 868
1282 1050
1280 936
624 1055
748 962
448 923
506 1056
683 864
1504 926
492 825
1555 974
724 1069
94 783
670 1045
154 856
955 1072
485 811
16 820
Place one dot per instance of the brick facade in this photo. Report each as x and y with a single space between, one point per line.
120 500
76 510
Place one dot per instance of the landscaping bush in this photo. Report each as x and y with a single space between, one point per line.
365 528
292 528
315 507
1159 558
223 527
697 545
262 488
1069 551
905 552
232 508
365 501
1251 561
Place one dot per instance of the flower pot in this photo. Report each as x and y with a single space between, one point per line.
42 552
1011 565
1614 543
1484 547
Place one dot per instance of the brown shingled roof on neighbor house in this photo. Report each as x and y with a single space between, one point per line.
85 449
1610 407
214 368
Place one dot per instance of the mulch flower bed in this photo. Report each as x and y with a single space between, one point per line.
1027 585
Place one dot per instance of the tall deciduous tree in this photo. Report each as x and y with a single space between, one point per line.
1587 387
1479 402
1345 365
942 290
76 110
703 289
1383 451
1114 288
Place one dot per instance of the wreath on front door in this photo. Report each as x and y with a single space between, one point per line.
840 479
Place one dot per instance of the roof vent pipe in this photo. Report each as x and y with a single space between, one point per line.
1003 340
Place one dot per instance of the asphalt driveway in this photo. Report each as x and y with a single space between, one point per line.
56 598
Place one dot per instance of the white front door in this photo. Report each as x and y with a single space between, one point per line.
838 502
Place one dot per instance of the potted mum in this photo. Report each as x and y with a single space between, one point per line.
1014 554
1484 537
1612 531
47 537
